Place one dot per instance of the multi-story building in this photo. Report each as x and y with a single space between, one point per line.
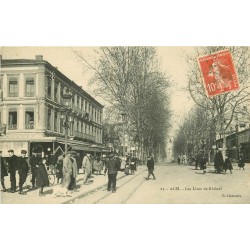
31 101
237 136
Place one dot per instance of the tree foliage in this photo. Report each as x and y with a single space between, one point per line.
129 79
221 108
196 132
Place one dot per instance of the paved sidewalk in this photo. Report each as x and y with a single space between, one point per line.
32 196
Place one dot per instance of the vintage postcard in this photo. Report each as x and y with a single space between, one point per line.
125 125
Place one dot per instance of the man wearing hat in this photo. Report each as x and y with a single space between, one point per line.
87 167
67 172
3 171
23 170
12 163
218 161
112 166
72 184
227 164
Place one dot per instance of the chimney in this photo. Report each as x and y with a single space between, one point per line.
39 57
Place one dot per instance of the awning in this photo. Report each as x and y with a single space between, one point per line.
79 147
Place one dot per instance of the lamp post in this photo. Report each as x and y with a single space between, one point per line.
124 118
66 117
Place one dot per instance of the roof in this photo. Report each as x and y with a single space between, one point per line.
30 62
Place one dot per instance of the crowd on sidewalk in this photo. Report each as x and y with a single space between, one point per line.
221 165
66 169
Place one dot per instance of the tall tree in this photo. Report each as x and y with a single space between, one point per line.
222 107
129 79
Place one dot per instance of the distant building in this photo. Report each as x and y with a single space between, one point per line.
30 109
237 137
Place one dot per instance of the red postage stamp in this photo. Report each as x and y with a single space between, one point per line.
219 74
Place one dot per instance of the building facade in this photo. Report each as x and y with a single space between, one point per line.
31 101
237 136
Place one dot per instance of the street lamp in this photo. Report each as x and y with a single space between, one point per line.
124 118
66 117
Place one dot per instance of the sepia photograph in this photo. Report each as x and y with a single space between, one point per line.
125 125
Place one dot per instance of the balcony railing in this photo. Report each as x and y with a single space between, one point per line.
84 136
28 94
29 126
13 94
12 126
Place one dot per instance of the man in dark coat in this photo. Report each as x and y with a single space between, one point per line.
203 163
198 159
13 164
34 161
241 163
3 171
78 161
227 165
112 166
23 170
218 161
42 176
150 165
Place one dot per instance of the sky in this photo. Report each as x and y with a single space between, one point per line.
172 61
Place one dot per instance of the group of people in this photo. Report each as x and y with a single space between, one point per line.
129 164
19 164
110 164
66 169
220 165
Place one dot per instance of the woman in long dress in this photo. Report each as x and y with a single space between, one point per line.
42 179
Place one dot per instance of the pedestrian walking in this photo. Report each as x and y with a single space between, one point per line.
150 165
87 166
42 179
203 164
198 160
12 165
59 169
241 163
98 165
178 160
78 161
72 184
227 165
133 165
23 169
112 168
218 161
118 160
3 171
34 161
67 172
